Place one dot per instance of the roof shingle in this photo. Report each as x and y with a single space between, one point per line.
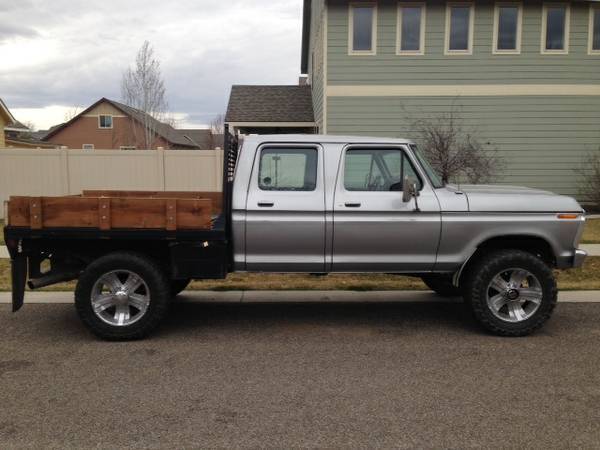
270 104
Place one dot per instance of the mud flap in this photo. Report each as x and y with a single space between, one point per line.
19 277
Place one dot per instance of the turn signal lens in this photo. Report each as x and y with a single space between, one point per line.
568 216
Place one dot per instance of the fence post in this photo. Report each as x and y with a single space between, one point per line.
160 160
217 155
64 171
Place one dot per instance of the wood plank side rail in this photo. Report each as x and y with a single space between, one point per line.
216 197
106 213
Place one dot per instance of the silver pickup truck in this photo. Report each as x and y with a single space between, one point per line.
329 204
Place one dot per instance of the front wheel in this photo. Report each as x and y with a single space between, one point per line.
122 296
511 292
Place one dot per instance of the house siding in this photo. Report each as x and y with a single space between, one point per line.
530 67
542 138
2 125
316 61
85 130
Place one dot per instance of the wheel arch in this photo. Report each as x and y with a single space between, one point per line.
534 244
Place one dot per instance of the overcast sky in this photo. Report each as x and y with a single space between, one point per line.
61 54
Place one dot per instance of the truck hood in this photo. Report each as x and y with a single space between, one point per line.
491 198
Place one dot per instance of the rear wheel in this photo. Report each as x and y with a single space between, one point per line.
441 284
511 292
122 296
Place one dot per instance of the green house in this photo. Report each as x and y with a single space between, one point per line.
524 75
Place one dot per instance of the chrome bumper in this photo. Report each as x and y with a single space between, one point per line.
579 257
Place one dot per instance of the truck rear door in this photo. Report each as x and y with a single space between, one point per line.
373 229
285 210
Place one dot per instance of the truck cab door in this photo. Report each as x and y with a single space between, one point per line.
285 210
373 229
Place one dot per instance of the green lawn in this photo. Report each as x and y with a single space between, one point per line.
588 277
591 233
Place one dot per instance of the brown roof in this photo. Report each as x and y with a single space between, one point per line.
270 104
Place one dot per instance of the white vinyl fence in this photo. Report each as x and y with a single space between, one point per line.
65 172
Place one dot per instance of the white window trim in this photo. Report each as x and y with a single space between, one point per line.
112 120
351 50
545 7
87 147
497 7
421 50
447 50
591 51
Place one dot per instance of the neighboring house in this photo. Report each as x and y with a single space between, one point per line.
112 125
270 109
6 122
20 136
524 75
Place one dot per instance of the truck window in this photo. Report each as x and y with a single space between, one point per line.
377 170
293 169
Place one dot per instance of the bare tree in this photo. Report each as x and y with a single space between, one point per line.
72 113
455 152
217 128
143 89
589 178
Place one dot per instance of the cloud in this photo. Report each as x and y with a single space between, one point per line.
73 53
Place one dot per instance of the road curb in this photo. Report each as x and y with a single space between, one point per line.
300 297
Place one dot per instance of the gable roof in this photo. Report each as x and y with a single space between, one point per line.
270 104
6 113
164 130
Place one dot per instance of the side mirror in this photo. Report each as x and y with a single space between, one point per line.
409 191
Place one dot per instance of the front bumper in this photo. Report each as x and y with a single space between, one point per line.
579 258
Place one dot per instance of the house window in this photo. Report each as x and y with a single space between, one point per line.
459 28
127 147
105 121
411 29
293 169
507 27
555 28
87 146
594 45
363 29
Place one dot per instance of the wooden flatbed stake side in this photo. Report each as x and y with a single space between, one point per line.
166 211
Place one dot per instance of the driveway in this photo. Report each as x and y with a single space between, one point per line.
402 375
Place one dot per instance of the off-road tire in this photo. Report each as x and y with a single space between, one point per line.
153 276
442 285
488 266
178 286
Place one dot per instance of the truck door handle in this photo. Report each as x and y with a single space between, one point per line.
266 204
352 205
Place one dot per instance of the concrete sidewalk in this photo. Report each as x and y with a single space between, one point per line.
300 297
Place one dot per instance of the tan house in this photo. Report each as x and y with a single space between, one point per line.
108 124
6 121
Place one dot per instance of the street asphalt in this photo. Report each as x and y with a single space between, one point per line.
280 375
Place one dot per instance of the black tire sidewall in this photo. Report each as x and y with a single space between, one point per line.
494 263
144 267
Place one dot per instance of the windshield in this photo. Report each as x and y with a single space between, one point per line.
435 179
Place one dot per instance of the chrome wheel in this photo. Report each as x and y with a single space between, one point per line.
514 295
120 298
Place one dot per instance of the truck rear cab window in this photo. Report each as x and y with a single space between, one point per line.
377 170
288 169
